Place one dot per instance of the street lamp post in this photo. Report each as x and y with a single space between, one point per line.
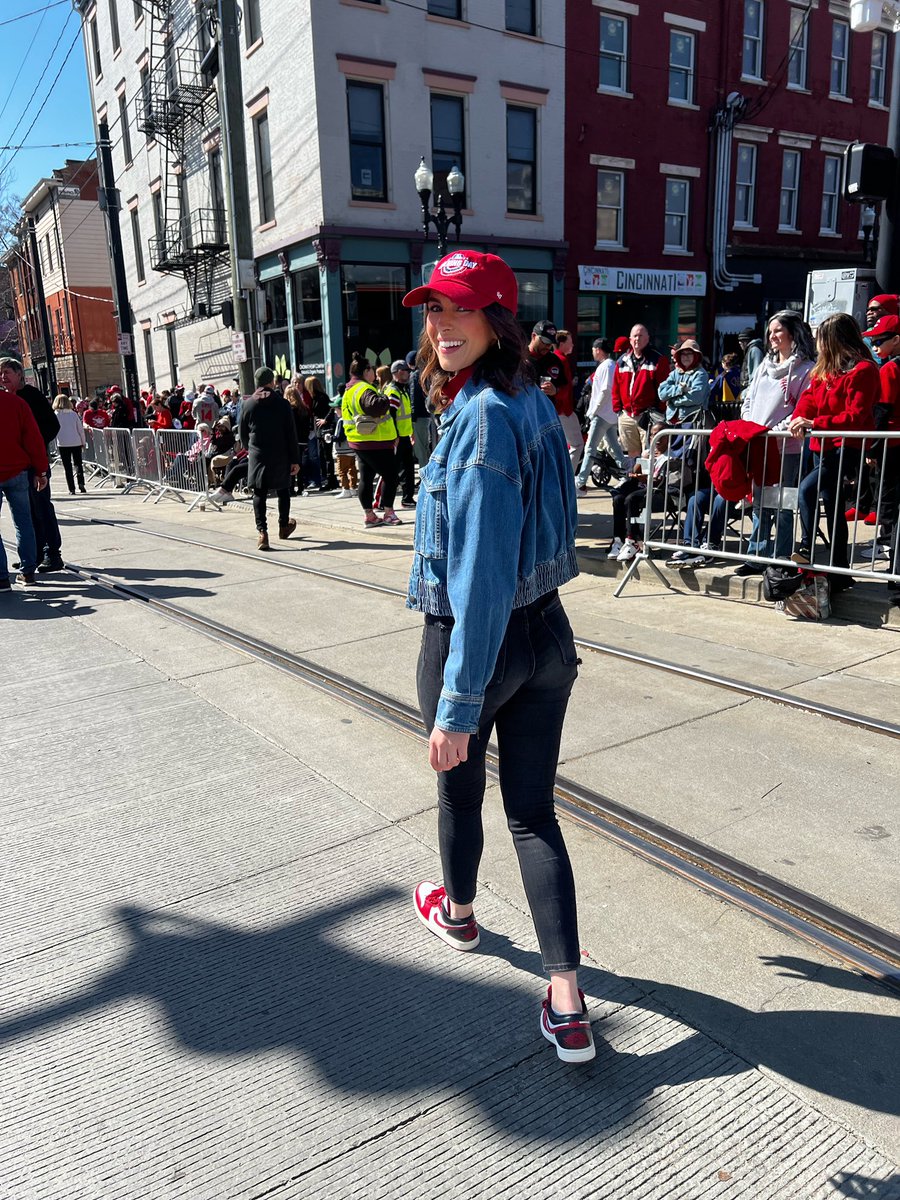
440 218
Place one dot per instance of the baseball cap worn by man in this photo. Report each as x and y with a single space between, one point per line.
546 331
399 364
621 345
471 280
884 327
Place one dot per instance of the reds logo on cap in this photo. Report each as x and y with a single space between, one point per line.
454 263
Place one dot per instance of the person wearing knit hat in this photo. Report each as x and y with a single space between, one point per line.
268 433
884 305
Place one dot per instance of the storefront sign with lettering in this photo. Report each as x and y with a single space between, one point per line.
649 283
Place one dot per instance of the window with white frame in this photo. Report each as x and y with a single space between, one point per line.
368 150
521 159
521 16
840 53
790 189
752 61
610 207
745 184
798 47
682 60
613 53
878 68
678 200
831 184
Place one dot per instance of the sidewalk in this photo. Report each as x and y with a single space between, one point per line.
215 986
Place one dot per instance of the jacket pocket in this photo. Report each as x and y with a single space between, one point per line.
557 624
434 534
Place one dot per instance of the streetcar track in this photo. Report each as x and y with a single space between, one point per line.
752 691
867 947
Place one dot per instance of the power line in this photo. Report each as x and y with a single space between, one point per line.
39 82
47 145
22 62
34 12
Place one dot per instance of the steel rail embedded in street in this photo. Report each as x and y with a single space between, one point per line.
753 691
867 947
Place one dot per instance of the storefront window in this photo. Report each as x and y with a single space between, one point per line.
375 321
589 325
534 298
309 346
687 319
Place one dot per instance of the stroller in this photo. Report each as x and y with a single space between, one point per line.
604 467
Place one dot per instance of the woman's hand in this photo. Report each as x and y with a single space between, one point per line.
447 750
799 426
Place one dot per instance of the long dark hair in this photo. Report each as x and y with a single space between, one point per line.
797 330
502 366
840 346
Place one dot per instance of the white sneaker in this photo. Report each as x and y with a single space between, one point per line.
628 551
221 496
874 553
614 549
347 493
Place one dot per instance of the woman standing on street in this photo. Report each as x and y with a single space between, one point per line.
844 388
267 431
495 538
70 442
370 430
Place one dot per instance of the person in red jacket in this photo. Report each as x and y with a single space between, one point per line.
160 415
884 338
564 400
635 391
843 389
96 417
22 449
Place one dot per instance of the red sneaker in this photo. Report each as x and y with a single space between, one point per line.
433 912
570 1033
870 519
851 514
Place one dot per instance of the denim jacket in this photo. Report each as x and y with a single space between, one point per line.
495 530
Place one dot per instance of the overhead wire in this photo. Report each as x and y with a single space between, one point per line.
34 12
22 62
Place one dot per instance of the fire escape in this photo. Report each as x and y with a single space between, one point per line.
176 103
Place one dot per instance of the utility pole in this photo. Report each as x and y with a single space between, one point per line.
42 307
237 190
111 203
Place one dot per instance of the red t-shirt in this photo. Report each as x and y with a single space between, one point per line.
96 418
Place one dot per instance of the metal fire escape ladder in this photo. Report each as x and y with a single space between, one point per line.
177 104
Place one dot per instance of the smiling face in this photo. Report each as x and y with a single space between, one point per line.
780 340
460 336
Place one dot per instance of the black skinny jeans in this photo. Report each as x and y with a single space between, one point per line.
70 455
259 507
526 700
375 459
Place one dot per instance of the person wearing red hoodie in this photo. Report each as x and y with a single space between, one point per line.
843 389
564 400
22 449
635 391
884 338
160 416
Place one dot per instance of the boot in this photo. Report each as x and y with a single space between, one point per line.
263 542
285 531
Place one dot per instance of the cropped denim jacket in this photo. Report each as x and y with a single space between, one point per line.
495 530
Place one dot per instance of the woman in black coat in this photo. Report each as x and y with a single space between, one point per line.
268 433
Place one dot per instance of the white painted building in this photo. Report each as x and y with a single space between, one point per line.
342 99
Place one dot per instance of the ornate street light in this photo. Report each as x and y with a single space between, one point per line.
440 218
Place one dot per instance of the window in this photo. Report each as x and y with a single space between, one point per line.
840 49
263 168
798 47
752 63
217 195
138 11
114 25
48 253
521 16
95 48
682 51
877 72
448 147
172 351
790 186
745 184
613 53
138 249
126 130
446 8
610 207
252 22
368 165
148 357
521 159
678 194
158 220
146 105
831 183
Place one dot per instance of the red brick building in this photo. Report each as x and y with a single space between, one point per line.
73 262
705 141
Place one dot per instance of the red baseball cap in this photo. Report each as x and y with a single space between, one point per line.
884 327
887 302
471 279
621 344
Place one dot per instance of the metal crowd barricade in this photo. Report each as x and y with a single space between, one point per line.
183 466
94 453
120 458
795 492
146 460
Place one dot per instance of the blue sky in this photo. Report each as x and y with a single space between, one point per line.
28 44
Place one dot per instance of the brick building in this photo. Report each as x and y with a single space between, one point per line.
73 262
712 137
